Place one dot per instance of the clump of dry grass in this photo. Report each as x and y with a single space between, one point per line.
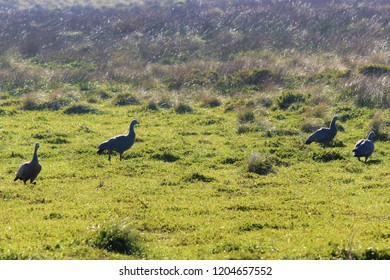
310 125
210 102
380 124
125 98
370 91
30 102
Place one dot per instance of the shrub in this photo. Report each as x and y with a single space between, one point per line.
245 128
197 177
100 93
29 102
259 164
29 48
183 108
165 103
374 70
289 97
379 124
166 156
310 125
119 239
370 92
246 116
152 106
122 99
202 78
80 109
326 156
210 102
59 98
367 254
254 77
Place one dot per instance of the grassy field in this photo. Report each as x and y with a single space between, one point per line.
219 169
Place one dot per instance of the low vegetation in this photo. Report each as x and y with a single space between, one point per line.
225 101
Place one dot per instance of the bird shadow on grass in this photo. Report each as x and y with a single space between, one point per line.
374 161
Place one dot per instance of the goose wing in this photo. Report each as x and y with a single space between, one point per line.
116 143
365 148
22 170
358 144
320 135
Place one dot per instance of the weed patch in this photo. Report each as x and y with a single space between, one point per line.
166 157
326 156
197 177
374 70
210 102
77 109
119 239
122 99
259 164
183 108
287 98
246 116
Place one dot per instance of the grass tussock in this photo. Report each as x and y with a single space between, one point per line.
374 70
183 108
259 164
288 98
77 109
119 239
327 156
122 99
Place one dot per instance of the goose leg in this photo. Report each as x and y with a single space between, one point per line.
109 155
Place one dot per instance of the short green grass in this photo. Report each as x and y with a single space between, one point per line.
184 190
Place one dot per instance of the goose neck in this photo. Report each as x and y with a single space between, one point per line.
131 130
35 156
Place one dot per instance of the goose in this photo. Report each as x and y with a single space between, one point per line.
364 147
29 170
325 134
119 143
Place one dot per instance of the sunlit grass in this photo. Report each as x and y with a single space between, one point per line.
205 204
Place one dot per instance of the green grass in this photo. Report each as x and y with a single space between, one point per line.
204 204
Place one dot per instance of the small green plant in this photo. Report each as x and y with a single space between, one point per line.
210 102
165 102
289 97
326 156
259 164
310 125
379 124
254 77
30 102
183 108
152 106
80 109
126 98
119 239
374 70
246 116
166 156
197 177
